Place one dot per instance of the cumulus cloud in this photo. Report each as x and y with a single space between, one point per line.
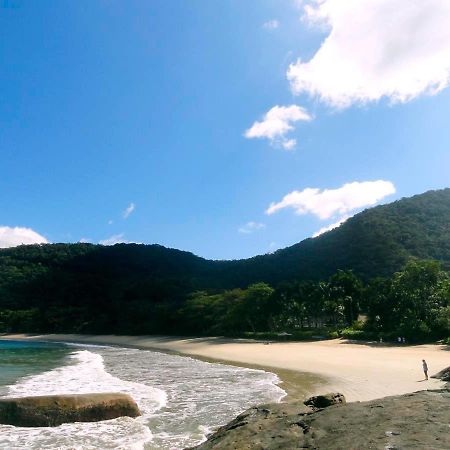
131 207
271 24
276 123
13 236
331 226
397 49
251 227
114 239
325 204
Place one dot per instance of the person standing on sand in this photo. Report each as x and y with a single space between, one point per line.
425 369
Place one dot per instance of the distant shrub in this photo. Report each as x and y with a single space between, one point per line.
358 325
390 336
350 333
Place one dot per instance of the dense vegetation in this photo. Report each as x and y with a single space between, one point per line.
414 303
378 263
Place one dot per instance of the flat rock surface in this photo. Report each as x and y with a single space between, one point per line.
419 420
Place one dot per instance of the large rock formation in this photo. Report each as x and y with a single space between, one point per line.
412 421
443 375
53 410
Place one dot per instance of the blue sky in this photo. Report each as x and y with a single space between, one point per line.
130 121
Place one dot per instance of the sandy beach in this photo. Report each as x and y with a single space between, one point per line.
360 371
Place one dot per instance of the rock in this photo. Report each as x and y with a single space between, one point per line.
413 421
278 424
53 410
323 401
443 375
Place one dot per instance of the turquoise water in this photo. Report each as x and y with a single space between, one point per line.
21 359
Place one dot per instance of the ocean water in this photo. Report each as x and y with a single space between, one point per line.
181 399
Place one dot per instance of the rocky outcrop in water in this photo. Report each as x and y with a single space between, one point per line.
412 421
53 410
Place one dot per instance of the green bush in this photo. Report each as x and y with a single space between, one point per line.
350 333
390 336
358 325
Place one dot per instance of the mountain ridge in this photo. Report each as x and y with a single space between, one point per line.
89 287
375 242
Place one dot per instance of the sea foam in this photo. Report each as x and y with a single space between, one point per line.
85 373
182 399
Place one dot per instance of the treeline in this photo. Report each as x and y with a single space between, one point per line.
125 288
413 303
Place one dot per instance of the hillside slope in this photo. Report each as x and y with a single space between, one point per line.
128 281
375 242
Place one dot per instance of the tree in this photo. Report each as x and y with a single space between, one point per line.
345 289
255 304
419 293
376 299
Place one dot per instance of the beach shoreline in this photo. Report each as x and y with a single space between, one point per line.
361 371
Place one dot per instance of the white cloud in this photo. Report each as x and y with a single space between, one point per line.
84 240
325 204
271 24
131 207
276 123
289 144
396 49
13 236
115 239
251 227
331 226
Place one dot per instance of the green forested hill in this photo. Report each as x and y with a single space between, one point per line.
69 284
376 242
